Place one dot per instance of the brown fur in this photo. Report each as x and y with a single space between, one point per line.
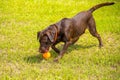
68 30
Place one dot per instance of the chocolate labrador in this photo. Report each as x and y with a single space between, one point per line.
68 30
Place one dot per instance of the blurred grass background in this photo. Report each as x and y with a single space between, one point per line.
19 60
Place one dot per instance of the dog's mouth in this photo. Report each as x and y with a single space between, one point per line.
44 51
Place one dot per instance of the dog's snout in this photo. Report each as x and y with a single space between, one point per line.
42 50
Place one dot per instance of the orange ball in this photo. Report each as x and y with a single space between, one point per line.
46 55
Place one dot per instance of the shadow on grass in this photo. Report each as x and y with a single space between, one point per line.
73 47
33 59
76 46
79 47
38 58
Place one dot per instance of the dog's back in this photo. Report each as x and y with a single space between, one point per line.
82 18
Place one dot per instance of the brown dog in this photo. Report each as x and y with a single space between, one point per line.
68 30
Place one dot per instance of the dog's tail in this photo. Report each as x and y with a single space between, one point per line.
100 5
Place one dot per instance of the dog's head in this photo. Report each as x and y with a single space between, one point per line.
46 38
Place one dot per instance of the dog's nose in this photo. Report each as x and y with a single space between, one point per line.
43 50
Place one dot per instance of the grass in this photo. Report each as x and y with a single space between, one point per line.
19 60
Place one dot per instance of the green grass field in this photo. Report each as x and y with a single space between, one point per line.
19 58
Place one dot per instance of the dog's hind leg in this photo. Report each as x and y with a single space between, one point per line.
93 31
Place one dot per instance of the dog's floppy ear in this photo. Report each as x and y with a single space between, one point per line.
38 35
50 36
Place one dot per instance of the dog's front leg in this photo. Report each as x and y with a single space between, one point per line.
66 45
55 49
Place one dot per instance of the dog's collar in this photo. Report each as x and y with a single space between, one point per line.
56 32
